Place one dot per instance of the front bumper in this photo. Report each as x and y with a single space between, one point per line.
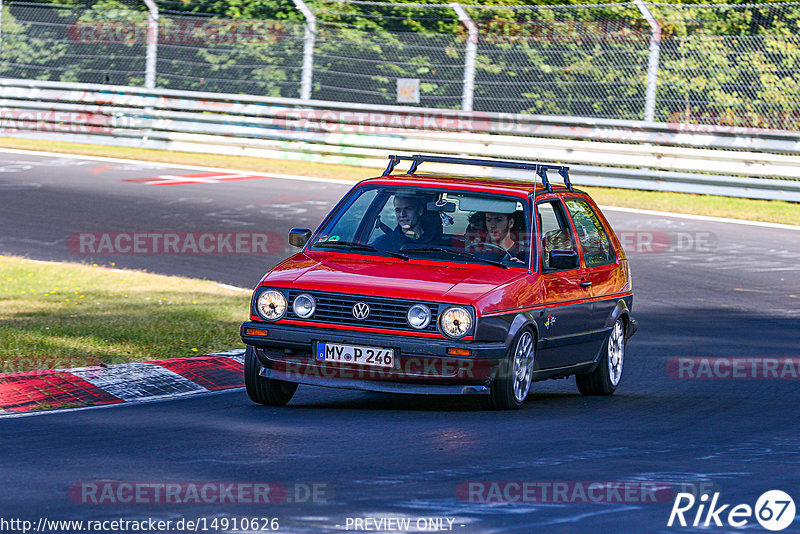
422 365
379 386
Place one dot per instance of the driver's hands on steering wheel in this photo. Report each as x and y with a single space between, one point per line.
486 245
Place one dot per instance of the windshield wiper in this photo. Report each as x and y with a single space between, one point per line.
455 253
357 246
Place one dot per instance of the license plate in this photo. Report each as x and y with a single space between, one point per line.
355 354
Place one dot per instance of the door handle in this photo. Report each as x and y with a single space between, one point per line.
585 283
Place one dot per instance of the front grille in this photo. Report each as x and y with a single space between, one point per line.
337 308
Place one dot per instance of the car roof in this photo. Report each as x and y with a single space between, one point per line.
478 183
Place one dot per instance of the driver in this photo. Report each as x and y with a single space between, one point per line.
498 232
409 211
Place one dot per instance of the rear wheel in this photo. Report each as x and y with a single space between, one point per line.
264 390
606 377
515 375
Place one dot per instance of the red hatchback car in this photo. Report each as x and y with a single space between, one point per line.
439 284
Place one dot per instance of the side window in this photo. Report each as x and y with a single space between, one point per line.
555 231
386 222
597 249
347 226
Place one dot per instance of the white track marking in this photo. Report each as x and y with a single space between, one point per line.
179 166
352 182
701 218
234 288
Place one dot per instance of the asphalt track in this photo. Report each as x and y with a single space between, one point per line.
732 292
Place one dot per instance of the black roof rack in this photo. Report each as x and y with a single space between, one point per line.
539 168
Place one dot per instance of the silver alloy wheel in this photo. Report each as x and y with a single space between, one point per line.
523 366
616 352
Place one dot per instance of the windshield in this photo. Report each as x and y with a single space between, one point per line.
440 224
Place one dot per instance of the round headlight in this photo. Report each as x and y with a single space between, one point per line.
271 305
455 322
419 316
304 305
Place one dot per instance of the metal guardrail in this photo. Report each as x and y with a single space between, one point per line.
629 154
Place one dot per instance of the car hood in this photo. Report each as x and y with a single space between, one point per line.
387 277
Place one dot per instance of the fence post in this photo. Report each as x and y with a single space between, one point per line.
469 57
652 64
308 49
152 45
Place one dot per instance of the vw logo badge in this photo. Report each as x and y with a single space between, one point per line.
361 310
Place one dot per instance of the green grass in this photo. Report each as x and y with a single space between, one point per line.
72 315
734 208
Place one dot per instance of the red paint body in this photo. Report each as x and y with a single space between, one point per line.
566 313
489 289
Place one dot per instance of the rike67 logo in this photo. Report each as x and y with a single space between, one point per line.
774 510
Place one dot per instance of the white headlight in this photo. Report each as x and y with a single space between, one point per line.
419 316
304 305
271 305
455 322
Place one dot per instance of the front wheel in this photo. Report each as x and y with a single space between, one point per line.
264 390
605 378
514 377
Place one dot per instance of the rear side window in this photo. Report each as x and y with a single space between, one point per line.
597 249
555 232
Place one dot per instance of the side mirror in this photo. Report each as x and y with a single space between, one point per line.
563 259
298 237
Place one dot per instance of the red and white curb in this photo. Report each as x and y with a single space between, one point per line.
120 383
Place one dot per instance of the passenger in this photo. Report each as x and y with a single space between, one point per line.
411 229
499 232
476 229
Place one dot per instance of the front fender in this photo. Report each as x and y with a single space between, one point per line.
520 321
505 327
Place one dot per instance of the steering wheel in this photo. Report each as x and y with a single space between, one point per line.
506 254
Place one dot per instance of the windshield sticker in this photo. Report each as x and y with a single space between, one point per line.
333 238
322 239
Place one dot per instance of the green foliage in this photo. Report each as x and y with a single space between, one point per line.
731 64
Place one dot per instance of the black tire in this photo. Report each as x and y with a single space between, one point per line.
502 395
264 390
601 381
